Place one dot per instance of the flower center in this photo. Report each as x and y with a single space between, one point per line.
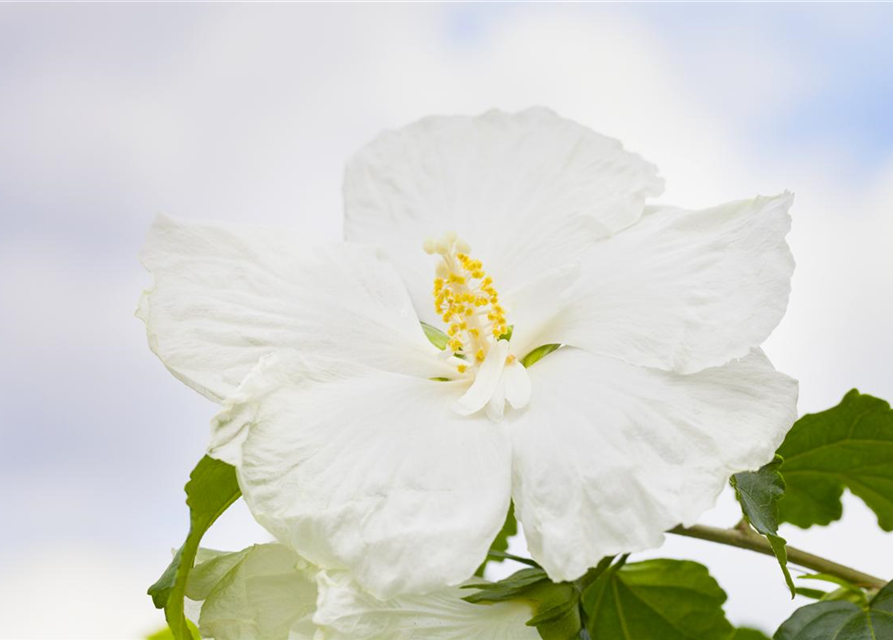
466 301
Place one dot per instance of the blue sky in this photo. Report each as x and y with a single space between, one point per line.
111 113
845 50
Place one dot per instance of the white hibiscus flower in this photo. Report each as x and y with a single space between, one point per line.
365 448
268 592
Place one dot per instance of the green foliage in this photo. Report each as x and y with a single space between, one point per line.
842 620
850 445
501 543
815 594
437 337
845 590
651 600
656 600
759 493
211 489
538 354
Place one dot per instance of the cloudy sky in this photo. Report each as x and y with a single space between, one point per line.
112 113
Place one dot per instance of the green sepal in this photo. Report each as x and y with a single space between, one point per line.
435 336
557 614
841 620
512 588
538 354
848 446
759 493
211 489
557 611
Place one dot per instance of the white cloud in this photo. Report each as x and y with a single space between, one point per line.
77 592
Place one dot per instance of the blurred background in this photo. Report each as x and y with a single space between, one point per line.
110 113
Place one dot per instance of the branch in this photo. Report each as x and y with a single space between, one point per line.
750 540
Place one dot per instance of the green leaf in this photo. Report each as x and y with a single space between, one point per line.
841 620
538 354
435 336
815 594
848 446
827 577
749 634
211 489
656 600
846 591
501 543
758 492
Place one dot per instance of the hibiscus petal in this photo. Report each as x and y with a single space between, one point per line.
683 290
528 191
264 595
226 295
608 455
517 385
534 307
368 471
485 382
348 613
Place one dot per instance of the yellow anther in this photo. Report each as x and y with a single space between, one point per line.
466 300
510 358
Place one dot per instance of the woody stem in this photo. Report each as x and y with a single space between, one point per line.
746 538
